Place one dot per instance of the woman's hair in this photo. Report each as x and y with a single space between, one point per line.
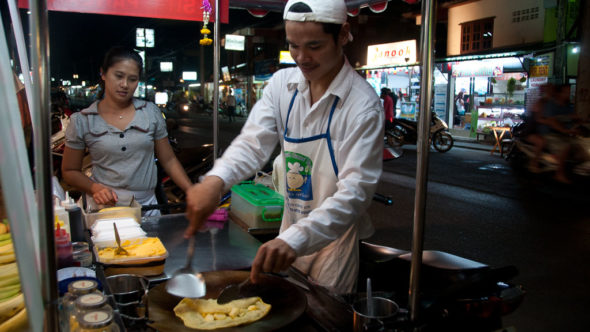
115 55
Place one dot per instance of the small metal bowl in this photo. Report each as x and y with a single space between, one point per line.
127 288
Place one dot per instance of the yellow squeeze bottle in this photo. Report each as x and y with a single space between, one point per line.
62 218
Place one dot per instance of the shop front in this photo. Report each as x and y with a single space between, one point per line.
393 66
486 93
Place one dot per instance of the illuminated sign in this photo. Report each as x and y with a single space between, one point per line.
235 42
144 37
166 67
286 58
188 10
392 54
225 72
477 68
539 71
189 75
161 98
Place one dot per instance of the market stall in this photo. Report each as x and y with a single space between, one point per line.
227 246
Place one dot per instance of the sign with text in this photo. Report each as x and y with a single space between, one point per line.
392 54
477 68
539 71
235 42
186 10
536 82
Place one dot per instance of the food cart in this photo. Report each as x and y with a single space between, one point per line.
221 247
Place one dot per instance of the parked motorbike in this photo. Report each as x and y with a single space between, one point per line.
456 294
403 131
521 152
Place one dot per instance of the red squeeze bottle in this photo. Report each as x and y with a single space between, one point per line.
63 247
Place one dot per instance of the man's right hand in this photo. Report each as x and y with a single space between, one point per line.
201 201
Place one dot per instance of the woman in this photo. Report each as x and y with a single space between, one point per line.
121 134
459 107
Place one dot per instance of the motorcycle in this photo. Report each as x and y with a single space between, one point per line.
403 131
521 152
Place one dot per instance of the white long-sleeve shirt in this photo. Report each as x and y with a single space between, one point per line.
357 137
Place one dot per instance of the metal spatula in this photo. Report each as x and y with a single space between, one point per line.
186 282
231 292
120 250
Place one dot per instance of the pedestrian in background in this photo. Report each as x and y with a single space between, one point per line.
230 104
387 106
329 123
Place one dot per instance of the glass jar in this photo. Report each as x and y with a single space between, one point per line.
75 290
86 303
100 320
81 254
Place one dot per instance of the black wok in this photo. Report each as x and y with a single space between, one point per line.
288 302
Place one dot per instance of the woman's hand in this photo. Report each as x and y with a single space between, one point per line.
103 195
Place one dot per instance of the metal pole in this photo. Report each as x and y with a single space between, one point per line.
216 55
39 28
427 38
16 178
22 53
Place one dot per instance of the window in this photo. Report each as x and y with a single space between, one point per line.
528 14
477 35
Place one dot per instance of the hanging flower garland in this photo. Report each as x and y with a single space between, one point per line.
205 31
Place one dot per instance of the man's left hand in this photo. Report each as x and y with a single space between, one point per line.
273 256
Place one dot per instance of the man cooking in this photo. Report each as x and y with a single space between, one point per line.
329 122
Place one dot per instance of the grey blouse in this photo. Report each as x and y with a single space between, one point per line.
120 158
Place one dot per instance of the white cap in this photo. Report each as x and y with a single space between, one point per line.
323 11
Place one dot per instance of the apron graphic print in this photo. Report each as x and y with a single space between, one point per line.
298 176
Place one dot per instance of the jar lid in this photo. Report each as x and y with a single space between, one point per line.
95 319
83 286
93 300
79 246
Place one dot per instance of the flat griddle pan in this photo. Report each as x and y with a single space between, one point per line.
287 300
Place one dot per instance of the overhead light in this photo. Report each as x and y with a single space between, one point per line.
576 49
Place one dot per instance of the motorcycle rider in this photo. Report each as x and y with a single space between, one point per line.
555 123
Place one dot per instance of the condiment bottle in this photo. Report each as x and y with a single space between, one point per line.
75 217
62 218
63 247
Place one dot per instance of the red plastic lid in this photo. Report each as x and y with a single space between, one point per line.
61 235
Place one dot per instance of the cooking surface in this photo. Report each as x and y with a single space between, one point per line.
287 300
221 246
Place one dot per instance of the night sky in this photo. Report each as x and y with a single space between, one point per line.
78 42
